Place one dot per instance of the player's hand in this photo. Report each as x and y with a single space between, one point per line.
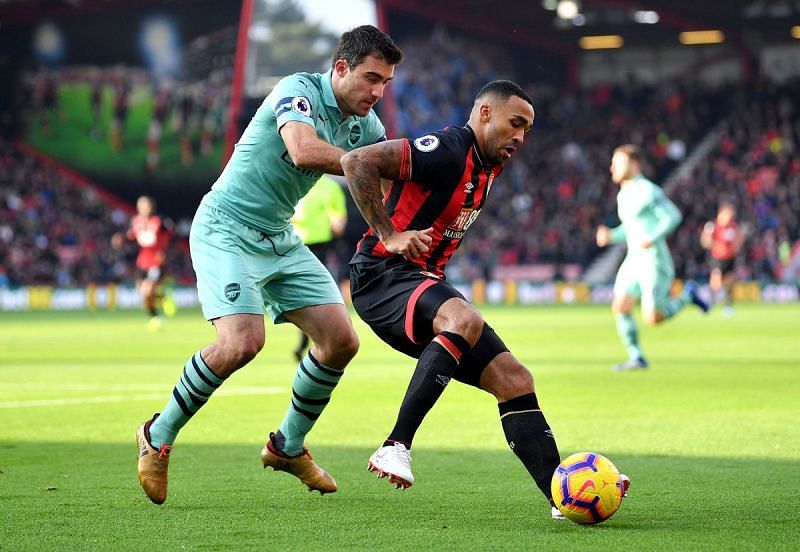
603 236
647 244
707 236
410 244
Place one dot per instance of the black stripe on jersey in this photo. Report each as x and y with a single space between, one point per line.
475 179
436 255
430 211
394 196
283 105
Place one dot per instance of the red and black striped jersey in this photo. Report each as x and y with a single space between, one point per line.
443 184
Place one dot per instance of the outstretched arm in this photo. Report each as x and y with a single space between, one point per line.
364 168
607 236
308 151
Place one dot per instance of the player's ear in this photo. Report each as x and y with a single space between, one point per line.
340 67
486 113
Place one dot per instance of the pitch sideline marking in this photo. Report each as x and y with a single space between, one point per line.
236 391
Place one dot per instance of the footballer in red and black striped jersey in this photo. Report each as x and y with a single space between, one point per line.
443 184
439 184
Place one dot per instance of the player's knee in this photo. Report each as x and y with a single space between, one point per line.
248 349
468 324
242 349
347 345
474 327
652 317
621 306
338 348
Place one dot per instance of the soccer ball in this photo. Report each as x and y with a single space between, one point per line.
587 488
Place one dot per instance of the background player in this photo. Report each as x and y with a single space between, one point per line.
723 238
320 217
248 258
647 217
149 233
441 182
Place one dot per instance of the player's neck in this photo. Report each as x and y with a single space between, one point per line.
630 180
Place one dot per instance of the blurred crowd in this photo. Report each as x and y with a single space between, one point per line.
756 165
54 231
548 202
557 189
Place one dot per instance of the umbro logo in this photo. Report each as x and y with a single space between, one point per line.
549 433
470 185
442 380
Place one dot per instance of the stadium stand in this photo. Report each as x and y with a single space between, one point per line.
557 190
755 165
55 229
543 214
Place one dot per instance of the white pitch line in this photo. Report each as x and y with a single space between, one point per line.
235 391
82 386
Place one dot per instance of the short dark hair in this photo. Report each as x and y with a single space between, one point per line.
503 89
633 152
363 41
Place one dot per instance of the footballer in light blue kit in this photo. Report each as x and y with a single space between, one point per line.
248 259
647 217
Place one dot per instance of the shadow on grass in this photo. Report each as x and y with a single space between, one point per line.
56 495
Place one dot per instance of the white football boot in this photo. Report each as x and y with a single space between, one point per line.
393 462
626 484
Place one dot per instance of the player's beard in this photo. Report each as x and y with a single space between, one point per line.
494 153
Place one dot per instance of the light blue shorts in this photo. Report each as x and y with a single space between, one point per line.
645 279
243 271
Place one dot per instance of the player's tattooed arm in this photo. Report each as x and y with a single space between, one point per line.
364 168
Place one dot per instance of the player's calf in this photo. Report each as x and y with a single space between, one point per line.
530 438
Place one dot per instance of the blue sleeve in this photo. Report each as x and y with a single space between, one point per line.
668 216
617 234
294 98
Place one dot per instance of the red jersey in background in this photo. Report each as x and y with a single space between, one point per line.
725 239
152 240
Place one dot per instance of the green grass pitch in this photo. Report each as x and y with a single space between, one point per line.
708 437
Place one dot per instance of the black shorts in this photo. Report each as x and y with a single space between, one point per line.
320 250
152 274
724 266
399 302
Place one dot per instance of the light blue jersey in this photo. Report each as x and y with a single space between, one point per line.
260 186
244 250
646 213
